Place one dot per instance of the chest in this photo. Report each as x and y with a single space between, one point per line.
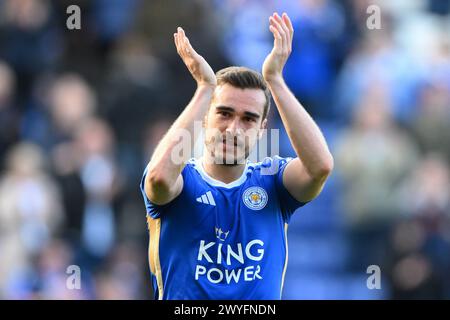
247 211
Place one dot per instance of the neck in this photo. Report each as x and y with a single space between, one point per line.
222 172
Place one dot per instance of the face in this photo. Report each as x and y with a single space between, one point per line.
234 123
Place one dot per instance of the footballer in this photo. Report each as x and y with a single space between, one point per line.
218 223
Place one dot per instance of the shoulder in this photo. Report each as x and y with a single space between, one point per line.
269 166
192 173
191 168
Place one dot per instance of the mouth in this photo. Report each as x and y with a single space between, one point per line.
231 140
230 144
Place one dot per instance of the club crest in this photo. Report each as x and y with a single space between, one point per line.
255 198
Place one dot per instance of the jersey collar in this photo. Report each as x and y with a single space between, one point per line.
214 182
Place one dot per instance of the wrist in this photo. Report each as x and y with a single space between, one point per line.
274 81
206 86
205 89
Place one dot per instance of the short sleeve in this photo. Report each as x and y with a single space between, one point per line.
288 203
151 208
154 210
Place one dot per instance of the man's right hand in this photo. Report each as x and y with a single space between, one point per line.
197 65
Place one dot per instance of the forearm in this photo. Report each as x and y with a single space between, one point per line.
167 161
304 134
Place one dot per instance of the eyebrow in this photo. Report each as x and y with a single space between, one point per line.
230 109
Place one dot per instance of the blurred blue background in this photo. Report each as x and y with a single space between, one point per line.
81 112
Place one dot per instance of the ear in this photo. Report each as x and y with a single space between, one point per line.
261 129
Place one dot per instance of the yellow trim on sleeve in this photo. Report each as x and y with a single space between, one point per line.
154 228
286 260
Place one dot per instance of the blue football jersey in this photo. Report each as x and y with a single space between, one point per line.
222 241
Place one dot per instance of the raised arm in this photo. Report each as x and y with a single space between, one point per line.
304 177
164 180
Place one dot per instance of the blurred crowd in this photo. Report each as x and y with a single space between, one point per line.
82 110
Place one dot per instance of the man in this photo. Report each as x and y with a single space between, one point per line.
218 224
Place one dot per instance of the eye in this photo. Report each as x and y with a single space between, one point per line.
249 119
224 114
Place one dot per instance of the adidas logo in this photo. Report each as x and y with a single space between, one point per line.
207 198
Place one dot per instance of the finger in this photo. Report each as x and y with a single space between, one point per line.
280 31
183 44
277 37
189 46
282 23
177 45
288 22
286 34
277 24
181 32
179 35
178 40
182 41
290 28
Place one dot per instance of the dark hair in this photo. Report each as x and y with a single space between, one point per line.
243 78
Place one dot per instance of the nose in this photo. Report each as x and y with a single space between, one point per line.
233 127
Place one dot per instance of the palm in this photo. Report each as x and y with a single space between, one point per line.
200 69
282 30
196 64
271 65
